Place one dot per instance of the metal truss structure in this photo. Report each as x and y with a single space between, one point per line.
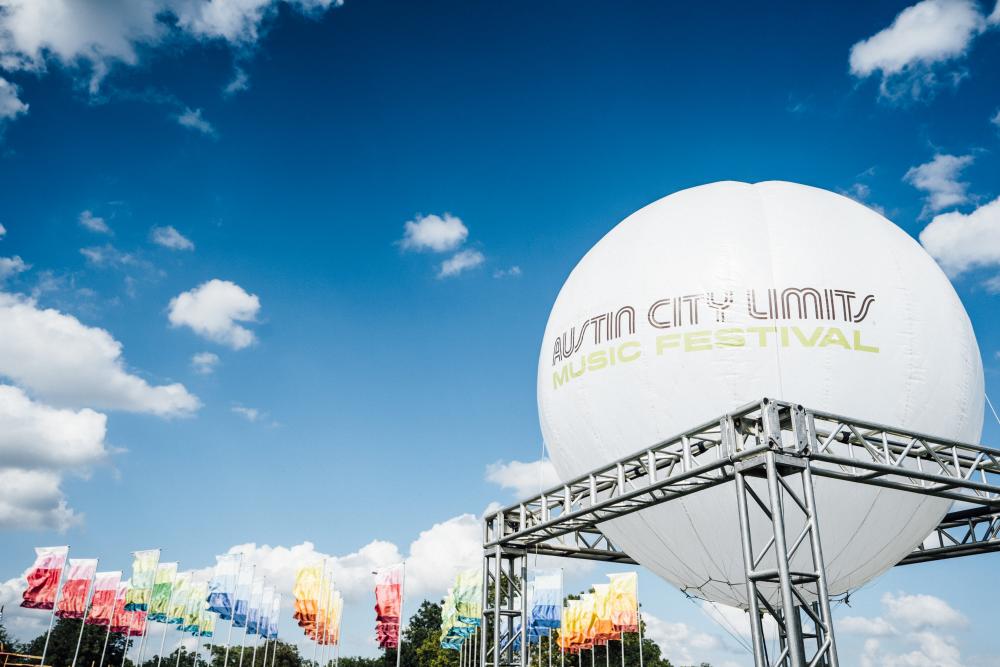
771 451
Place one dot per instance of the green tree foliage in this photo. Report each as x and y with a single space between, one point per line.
63 643
421 648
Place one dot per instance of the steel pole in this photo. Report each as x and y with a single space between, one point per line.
793 630
55 605
243 639
232 615
86 603
820 565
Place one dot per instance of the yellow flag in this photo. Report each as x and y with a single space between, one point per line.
625 601
306 592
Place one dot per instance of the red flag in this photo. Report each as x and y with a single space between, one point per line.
388 605
76 587
120 618
43 577
136 623
102 604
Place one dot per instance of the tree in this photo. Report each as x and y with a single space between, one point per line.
62 643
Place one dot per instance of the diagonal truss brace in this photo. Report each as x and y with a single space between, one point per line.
779 442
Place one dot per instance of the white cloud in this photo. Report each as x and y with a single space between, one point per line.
11 105
512 272
922 611
680 643
523 478
213 309
94 223
910 633
869 627
433 560
38 444
109 256
193 120
939 178
994 17
250 414
995 118
963 241
33 500
39 436
239 82
929 33
70 364
204 363
11 266
95 36
169 237
3 231
435 233
461 261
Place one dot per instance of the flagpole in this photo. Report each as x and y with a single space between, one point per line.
170 603
83 619
274 651
211 649
256 636
322 577
562 604
55 605
638 617
623 648
264 659
402 602
243 639
145 627
232 614
111 621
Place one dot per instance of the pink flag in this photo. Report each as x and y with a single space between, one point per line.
120 618
388 606
102 604
43 577
76 587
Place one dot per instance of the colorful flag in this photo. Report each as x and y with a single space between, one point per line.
179 599
625 601
222 587
469 596
43 577
264 611
195 605
136 623
336 614
253 613
102 602
76 587
388 605
244 590
143 573
546 605
206 624
272 619
120 617
306 592
603 626
163 584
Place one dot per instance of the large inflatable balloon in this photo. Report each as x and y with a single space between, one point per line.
726 293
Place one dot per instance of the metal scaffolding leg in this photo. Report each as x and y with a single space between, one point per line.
504 606
796 597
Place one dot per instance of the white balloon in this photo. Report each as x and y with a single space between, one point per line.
726 293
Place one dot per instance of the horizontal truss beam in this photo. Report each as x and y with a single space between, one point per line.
564 520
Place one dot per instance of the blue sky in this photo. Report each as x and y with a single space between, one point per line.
375 391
